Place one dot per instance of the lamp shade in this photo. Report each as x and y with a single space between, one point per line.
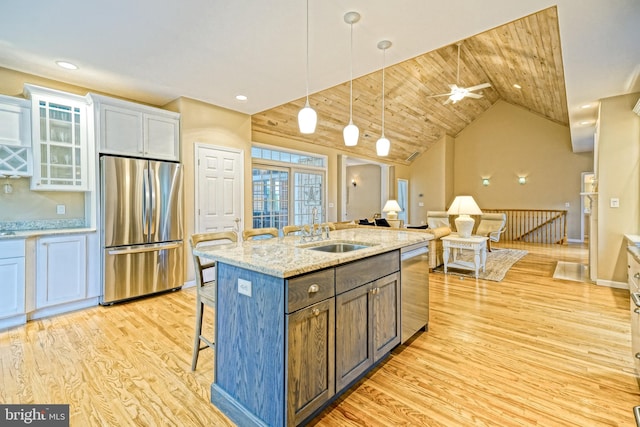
463 206
392 208
307 119
351 134
382 146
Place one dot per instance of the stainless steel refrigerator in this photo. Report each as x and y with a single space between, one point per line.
141 230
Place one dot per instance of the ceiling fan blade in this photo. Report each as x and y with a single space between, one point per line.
473 95
480 86
437 96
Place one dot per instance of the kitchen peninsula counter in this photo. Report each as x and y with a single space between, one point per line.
295 327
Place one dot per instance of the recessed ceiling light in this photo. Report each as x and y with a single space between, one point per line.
67 65
241 97
586 122
517 86
585 106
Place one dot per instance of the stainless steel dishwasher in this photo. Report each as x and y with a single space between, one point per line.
414 289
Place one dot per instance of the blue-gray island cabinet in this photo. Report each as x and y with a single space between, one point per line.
290 339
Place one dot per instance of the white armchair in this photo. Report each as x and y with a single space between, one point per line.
492 225
437 219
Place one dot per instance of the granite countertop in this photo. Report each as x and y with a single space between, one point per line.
287 257
23 234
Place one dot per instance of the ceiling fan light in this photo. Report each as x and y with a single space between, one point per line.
351 133
307 119
382 146
458 94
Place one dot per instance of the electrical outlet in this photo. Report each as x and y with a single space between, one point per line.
614 202
244 287
421 204
567 204
61 209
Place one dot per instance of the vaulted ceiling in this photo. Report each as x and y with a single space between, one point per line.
526 52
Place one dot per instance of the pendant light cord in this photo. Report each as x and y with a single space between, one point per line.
384 61
307 52
351 78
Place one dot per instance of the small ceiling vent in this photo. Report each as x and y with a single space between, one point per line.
415 153
636 109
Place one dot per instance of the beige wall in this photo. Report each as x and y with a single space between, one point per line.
363 200
618 168
430 180
508 141
23 204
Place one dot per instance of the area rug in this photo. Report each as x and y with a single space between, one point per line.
498 263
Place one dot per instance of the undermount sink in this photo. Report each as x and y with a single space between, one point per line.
7 233
337 248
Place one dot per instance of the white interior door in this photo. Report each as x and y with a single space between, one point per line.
219 189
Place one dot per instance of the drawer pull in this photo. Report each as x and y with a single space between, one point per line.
316 311
637 355
636 310
313 289
635 297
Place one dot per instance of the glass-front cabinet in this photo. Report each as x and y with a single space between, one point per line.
59 140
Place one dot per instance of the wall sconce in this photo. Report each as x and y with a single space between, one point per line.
522 180
353 182
485 182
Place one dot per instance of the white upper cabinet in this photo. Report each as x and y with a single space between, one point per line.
60 140
15 137
15 121
131 129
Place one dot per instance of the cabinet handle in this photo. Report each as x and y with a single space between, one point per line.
636 276
636 310
635 297
375 291
637 355
313 289
316 311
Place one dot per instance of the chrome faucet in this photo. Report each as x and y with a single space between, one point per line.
314 231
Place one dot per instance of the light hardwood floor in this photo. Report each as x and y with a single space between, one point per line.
529 350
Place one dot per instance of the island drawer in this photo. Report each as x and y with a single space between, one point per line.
309 289
354 274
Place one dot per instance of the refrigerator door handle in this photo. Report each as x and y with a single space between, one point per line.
146 189
145 248
153 214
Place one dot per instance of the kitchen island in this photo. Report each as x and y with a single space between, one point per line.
296 326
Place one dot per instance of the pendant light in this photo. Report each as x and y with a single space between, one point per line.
307 117
351 131
383 144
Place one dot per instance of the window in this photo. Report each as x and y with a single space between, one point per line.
274 174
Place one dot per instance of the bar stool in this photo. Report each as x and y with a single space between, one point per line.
205 289
253 233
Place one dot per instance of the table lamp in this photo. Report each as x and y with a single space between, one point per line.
392 208
463 206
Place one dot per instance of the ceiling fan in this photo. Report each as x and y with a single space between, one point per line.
458 93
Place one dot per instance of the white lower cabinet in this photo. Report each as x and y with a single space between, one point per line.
61 273
12 283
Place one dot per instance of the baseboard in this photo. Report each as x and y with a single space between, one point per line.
62 308
612 284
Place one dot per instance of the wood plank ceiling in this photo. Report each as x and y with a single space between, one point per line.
526 51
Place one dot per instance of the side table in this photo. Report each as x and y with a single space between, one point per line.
454 243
